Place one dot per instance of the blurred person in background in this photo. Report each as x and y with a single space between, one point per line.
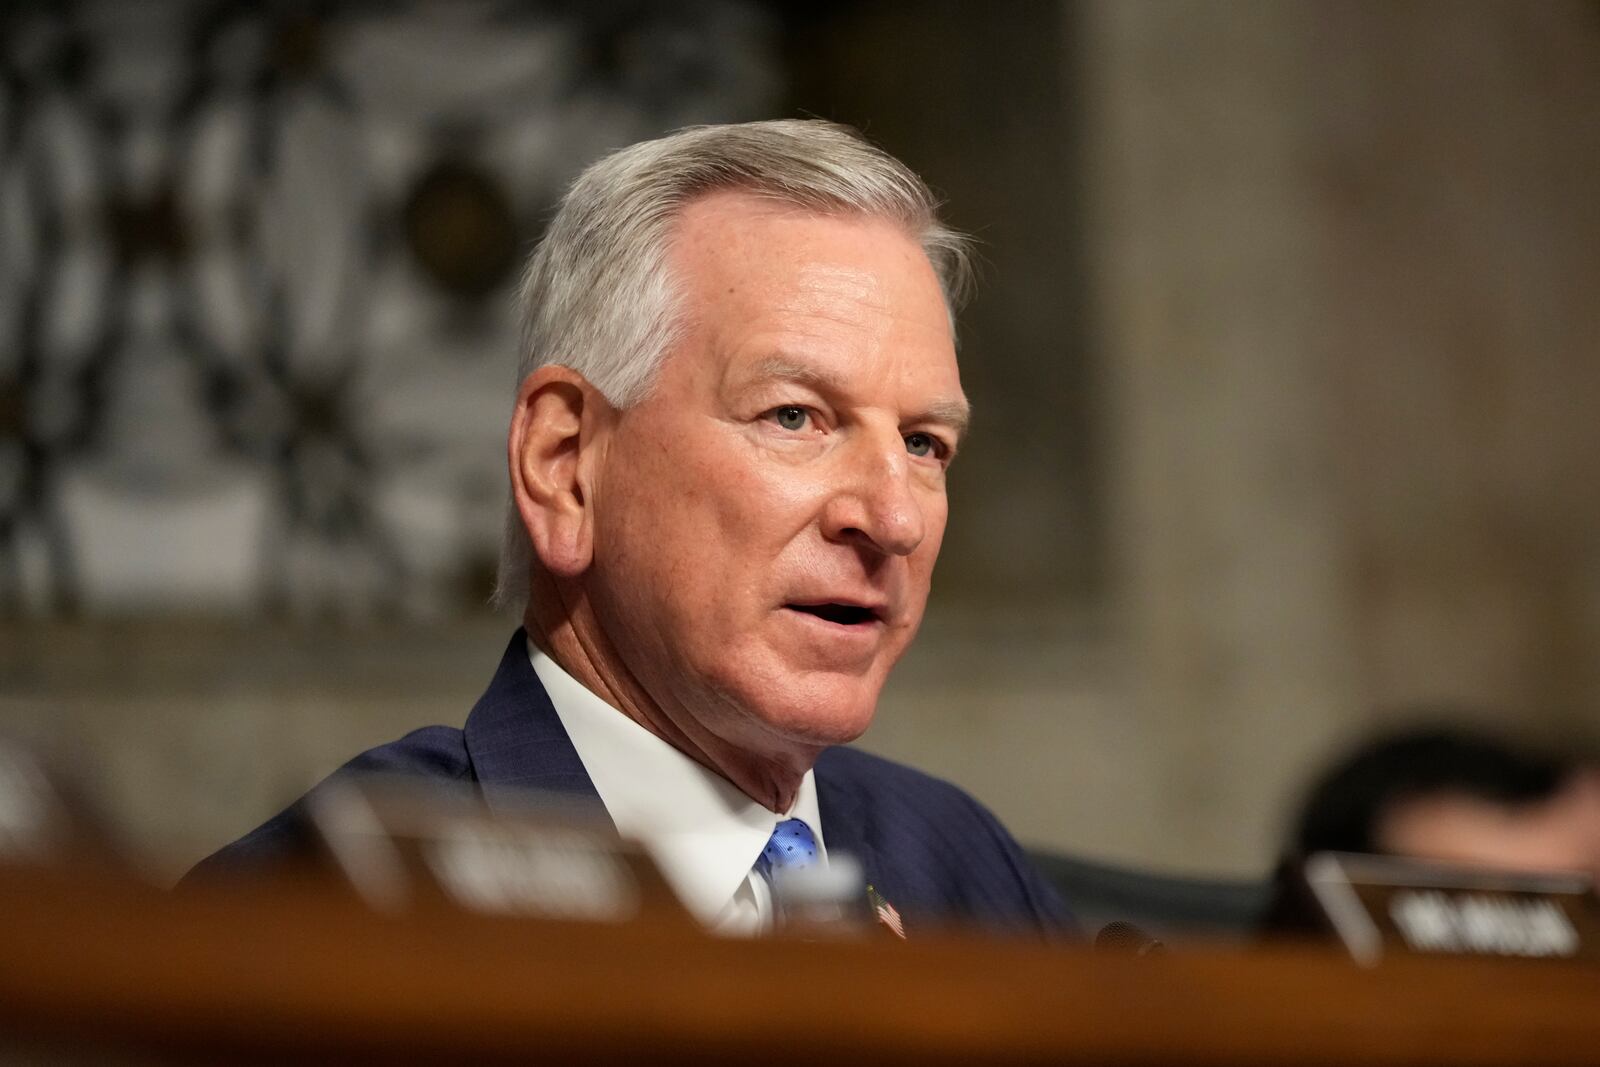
739 399
1454 795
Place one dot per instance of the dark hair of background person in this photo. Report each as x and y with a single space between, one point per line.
1344 809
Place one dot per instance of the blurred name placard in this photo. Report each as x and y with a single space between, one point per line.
1383 904
402 844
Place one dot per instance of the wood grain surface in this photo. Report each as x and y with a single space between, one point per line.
296 970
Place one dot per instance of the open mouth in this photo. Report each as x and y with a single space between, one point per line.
843 614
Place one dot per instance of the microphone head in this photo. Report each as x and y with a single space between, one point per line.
1122 936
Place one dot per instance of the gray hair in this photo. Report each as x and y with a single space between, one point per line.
598 296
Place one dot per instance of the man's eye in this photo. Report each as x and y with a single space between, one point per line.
790 417
922 444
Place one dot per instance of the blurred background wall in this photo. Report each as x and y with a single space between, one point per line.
1285 364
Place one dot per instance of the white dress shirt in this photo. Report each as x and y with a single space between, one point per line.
702 831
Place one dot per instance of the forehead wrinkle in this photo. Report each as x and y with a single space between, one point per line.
832 280
826 297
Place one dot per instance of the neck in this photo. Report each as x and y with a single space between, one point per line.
561 621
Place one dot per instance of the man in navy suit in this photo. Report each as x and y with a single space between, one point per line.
739 400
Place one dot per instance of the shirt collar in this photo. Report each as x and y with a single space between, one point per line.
703 832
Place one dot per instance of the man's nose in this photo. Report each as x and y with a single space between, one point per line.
874 505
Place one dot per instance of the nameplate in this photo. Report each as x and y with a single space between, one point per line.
404 844
1379 905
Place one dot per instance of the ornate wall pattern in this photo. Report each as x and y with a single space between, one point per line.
256 265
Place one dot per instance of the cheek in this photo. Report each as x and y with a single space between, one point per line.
748 505
935 511
689 526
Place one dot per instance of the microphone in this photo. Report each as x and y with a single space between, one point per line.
1125 937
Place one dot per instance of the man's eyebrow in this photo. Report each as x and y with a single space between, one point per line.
782 368
956 414
953 413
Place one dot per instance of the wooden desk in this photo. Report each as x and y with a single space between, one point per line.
288 972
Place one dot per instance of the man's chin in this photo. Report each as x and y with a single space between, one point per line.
796 704
822 713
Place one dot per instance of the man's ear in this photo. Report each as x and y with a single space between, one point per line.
556 421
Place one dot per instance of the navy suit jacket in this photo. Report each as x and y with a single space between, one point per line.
933 852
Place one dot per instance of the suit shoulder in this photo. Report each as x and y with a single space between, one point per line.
429 752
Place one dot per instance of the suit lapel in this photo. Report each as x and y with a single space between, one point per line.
516 741
846 826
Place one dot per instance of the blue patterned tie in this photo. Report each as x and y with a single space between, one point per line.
791 847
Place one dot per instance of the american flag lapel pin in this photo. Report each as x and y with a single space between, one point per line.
886 913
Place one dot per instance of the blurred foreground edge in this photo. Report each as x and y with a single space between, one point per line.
96 968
